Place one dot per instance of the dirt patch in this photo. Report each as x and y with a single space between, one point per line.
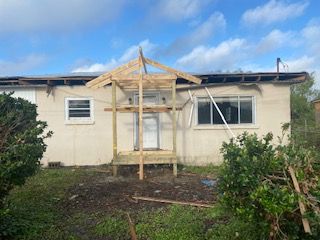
101 192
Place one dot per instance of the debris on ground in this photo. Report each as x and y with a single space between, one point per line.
105 193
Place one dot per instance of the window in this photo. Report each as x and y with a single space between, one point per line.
236 110
79 110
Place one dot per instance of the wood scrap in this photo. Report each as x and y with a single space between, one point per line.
132 228
151 199
302 207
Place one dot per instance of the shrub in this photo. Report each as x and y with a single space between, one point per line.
21 145
255 184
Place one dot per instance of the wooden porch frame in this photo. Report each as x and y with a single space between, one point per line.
124 77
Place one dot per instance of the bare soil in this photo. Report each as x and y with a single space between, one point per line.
101 192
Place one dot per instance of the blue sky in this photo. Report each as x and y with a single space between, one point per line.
58 36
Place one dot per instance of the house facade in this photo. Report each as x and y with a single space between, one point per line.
82 125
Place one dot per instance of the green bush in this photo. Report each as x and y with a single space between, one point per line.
255 184
21 147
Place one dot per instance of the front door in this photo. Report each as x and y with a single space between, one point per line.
150 123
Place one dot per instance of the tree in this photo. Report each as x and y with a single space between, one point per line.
302 109
21 142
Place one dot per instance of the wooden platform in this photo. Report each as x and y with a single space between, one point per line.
150 157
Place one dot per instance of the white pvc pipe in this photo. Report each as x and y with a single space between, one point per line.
191 110
220 113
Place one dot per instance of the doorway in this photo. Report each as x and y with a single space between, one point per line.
151 129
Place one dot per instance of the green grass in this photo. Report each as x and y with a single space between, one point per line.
35 214
209 170
115 226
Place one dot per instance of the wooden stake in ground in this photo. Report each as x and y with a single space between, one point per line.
132 228
302 207
150 199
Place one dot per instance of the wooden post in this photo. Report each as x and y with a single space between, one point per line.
140 121
305 222
114 128
174 128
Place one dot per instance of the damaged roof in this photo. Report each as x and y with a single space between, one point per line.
211 78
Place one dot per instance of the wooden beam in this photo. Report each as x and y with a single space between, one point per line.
143 60
108 80
140 122
132 228
174 128
22 82
186 76
302 207
173 201
145 86
114 127
151 108
107 76
153 76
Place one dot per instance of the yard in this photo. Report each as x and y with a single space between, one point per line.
88 203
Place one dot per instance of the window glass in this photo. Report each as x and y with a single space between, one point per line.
78 109
204 107
236 110
246 110
229 109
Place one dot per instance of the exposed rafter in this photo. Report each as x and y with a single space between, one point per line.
106 78
125 71
186 76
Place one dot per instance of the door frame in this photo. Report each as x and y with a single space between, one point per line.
135 120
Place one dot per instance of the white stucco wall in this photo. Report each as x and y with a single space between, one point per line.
197 145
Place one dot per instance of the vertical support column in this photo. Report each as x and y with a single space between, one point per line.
174 128
114 128
140 121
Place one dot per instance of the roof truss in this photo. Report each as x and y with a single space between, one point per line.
125 76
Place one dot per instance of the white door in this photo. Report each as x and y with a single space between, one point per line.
150 124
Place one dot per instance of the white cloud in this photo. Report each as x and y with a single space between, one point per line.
225 56
55 15
178 10
274 40
129 54
311 33
21 65
273 11
203 32
304 63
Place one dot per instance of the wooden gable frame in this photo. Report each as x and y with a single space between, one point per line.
125 77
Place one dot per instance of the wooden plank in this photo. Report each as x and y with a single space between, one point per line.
107 81
107 76
114 127
172 201
140 123
186 76
302 207
132 228
146 153
150 108
143 60
174 127
135 77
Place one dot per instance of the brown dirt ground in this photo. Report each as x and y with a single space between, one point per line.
101 192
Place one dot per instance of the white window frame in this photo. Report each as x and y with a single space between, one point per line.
254 111
79 120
